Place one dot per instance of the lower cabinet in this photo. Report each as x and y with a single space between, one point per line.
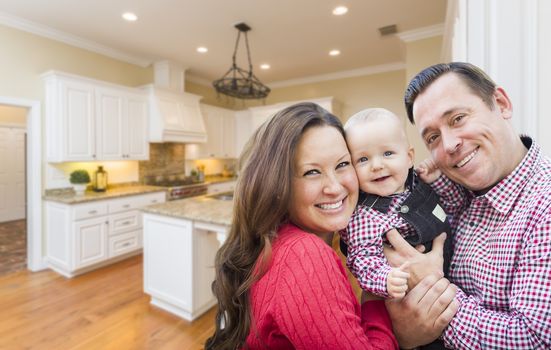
82 237
179 259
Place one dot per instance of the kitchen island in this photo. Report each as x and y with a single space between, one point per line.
180 242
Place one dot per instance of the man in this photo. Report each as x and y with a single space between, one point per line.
501 215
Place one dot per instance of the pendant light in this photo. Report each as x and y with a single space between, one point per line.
238 82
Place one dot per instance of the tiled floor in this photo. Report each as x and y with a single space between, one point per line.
13 246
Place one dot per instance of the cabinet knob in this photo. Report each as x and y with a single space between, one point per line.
92 212
126 206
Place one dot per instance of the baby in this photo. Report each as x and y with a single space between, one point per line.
392 197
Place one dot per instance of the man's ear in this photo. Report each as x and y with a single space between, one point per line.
503 103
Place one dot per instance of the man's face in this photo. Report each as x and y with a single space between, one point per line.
470 142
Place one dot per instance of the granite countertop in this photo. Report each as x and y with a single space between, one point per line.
203 208
68 196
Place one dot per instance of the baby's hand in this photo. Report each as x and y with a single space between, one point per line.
428 171
397 281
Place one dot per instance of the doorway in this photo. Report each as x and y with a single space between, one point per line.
13 206
32 179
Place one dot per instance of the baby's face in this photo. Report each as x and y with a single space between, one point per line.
381 155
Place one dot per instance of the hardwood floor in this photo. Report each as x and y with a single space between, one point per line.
13 246
103 309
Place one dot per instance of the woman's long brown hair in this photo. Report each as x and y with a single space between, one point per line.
260 207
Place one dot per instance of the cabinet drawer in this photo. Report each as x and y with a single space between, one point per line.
123 222
124 243
85 211
123 204
150 199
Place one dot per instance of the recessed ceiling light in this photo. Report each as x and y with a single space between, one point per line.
340 10
202 49
334 53
129 16
264 66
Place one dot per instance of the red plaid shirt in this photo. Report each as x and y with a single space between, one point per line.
502 259
364 237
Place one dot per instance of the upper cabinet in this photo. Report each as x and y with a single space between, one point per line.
221 141
88 120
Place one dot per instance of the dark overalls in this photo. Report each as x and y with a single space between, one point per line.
422 210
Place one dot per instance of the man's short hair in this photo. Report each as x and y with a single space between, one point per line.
475 78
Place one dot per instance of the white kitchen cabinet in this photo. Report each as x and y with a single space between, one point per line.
221 187
81 237
179 259
88 120
121 125
220 127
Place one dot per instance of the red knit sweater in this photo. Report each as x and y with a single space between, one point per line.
304 301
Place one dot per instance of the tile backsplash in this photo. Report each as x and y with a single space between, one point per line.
164 159
169 158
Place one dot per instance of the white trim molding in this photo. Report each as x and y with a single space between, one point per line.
35 259
390 67
421 33
340 75
73 40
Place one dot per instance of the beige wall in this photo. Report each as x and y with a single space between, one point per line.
354 94
13 115
25 56
419 55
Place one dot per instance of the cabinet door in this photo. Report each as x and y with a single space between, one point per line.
90 241
214 133
110 116
135 143
228 136
77 108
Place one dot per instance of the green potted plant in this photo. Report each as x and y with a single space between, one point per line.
80 179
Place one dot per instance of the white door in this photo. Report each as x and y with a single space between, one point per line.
12 174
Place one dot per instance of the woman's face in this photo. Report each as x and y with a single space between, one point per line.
324 188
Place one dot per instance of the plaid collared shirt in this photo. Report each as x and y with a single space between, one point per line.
365 236
502 259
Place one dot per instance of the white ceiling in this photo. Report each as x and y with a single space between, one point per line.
293 36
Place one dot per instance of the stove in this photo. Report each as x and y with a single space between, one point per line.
178 187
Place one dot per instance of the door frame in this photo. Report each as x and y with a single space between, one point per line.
35 258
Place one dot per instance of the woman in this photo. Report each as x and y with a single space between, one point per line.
279 284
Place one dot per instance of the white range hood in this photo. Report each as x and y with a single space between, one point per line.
174 115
